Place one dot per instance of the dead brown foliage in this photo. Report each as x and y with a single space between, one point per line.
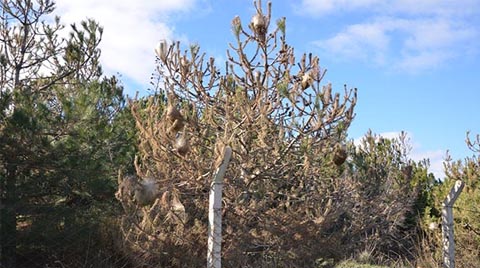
280 195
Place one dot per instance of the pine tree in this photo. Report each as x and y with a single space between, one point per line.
287 132
60 132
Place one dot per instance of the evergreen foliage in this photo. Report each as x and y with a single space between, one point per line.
466 211
61 136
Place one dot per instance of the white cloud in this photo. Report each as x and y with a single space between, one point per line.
405 35
131 31
322 7
394 135
417 153
410 45
434 42
435 157
437 34
319 8
431 7
360 41
414 63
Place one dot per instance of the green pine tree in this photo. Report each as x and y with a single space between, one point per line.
64 132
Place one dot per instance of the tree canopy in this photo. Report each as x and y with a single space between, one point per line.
61 136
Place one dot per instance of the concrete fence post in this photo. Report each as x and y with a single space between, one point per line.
447 225
214 250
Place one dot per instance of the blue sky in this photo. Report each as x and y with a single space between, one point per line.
416 64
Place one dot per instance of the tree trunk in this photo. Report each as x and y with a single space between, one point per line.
8 225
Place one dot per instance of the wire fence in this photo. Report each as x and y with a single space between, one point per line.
86 233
